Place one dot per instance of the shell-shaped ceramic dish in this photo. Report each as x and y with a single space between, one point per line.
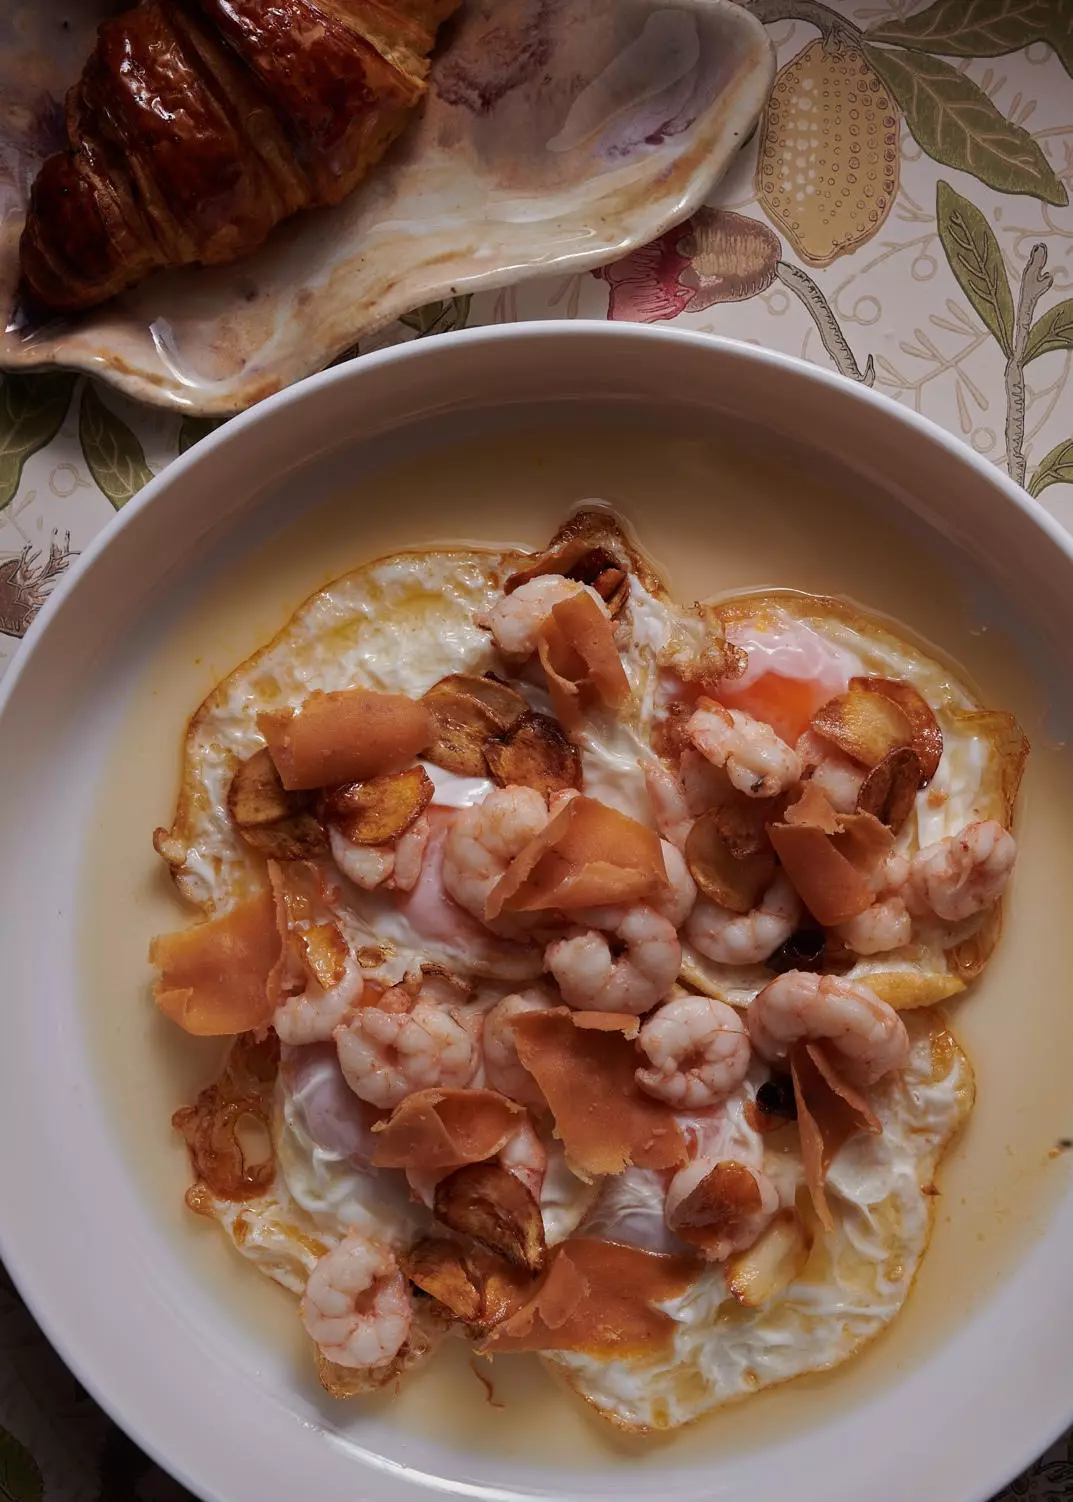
556 135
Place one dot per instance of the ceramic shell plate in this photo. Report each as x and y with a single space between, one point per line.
557 134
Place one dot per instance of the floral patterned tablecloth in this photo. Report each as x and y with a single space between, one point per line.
902 214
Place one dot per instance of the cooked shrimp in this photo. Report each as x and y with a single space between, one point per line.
481 843
677 904
516 619
409 854
960 876
884 926
867 1035
745 938
367 866
370 866
356 1306
698 1050
502 1067
758 763
834 774
670 809
591 978
739 1230
313 1015
387 1054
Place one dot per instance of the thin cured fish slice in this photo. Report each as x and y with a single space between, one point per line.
345 736
214 977
599 1297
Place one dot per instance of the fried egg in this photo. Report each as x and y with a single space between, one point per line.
401 624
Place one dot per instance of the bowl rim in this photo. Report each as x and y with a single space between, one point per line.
36 1295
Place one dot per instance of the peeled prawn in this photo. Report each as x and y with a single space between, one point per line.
516 619
483 840
757 761
387 1052
745 1228
356 1306
960 876
592 978
867 1035
314 1014
839 778
745 938
698 1052
370 866
670 808
503 1069
677 903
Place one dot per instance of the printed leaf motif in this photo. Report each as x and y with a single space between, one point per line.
976 261
956 123
1052 331
971 28
193 429
20 1478
32 409
113 454
439 317
1056 469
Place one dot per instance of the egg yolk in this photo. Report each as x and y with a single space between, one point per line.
786 704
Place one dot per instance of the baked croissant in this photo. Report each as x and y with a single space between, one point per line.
198 125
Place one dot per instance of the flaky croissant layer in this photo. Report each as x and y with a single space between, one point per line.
198 125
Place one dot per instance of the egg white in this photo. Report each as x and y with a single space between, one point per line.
400 625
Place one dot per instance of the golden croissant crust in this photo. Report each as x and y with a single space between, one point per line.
198 125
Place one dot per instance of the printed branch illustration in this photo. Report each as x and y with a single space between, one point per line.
827 326
1034 283
975 258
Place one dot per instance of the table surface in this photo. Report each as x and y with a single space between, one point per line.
901 214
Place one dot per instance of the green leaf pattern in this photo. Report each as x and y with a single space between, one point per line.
113 454
193 429
972 28
1051 332
957 124
976 261
1055 469
32 410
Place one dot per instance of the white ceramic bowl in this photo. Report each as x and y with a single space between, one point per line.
112 1286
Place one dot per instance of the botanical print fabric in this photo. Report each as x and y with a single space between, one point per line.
901 214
